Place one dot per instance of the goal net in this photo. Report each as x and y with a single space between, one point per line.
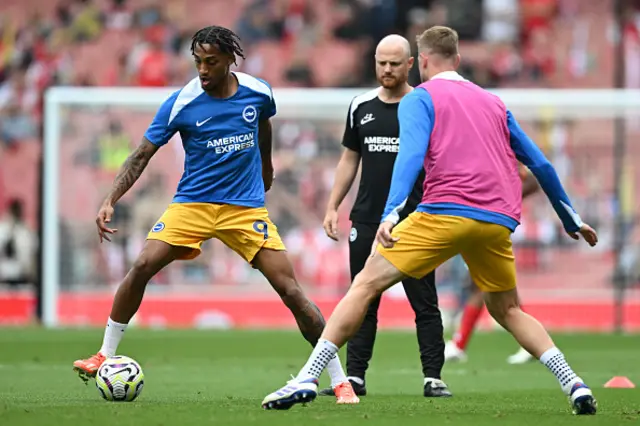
89 133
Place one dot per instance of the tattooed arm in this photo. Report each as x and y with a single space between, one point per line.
265 138
131 170
127 176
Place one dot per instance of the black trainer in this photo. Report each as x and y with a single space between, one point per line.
435 388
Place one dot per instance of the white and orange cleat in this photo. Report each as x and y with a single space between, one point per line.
87 368
345 394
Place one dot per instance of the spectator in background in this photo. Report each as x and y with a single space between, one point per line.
119 16
501 21
16 92
149 62
465 16
351 18
257 23
63 14
148 15
383 17
299 21
537 14
7 42
418 21
87 21
17 247
114 147
299 73
109 148
15 125
539 58
117 72
506 63
537 20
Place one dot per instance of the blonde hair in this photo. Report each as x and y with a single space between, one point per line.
439 40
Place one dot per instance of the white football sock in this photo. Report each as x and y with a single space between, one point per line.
554 360
334 368
322 354
112 336
432 380
358 380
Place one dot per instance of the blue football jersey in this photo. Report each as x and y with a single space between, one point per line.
220 138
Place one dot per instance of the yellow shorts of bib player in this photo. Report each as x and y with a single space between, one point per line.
428 240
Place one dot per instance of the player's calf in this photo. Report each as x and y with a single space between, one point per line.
277 269
154 256
532 336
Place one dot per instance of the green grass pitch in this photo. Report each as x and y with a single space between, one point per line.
220 378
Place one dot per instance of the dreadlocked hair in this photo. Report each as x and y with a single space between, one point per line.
223 38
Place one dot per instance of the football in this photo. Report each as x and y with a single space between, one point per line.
120 378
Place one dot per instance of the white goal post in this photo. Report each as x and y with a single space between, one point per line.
316 104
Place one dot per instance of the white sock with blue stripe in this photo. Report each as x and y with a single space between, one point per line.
322 355
554 360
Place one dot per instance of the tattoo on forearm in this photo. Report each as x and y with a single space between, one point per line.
130 171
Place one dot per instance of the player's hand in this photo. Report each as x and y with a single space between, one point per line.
384 237
330 224
268 175
104 217
588 233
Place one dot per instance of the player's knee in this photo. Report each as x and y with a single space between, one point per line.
366 286
142 269
290 292
292 295
501 308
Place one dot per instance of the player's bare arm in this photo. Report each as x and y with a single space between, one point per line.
529 183
345 175
127 176
265 142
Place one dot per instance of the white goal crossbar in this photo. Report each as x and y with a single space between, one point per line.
311 104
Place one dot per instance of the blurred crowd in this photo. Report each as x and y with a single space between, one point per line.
76 42
301 43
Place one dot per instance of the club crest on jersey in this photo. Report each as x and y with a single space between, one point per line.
250 114
158 227
353 235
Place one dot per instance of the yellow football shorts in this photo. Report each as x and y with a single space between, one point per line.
427 240
244 230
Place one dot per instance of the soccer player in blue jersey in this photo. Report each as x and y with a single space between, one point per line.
223 120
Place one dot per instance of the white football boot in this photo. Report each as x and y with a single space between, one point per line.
520 357
291 394
453 353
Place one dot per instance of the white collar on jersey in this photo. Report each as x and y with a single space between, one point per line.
448 75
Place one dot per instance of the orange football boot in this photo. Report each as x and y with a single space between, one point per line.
345 394
87 368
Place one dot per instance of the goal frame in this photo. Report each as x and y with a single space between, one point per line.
291 103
